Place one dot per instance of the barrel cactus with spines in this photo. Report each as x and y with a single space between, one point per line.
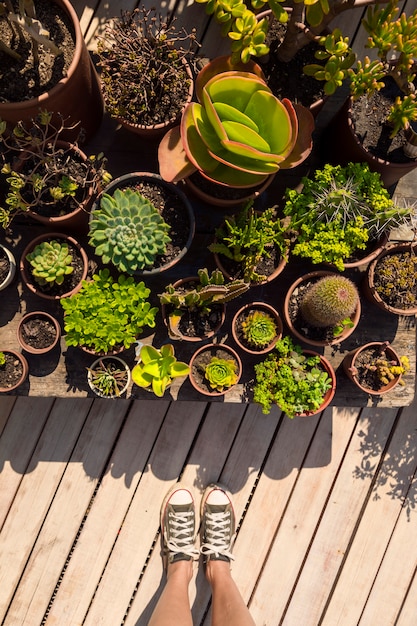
51 262
259 329
329 301
128 231
221 373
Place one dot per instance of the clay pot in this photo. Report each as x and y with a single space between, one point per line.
77 96
351 371
220 350
120 365
37 315
243 312
12 267
313 276
27 277
25 369
217 200
373 252
329 395
368 284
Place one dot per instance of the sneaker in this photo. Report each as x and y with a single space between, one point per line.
178 525
218 524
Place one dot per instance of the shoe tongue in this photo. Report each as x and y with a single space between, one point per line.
180 556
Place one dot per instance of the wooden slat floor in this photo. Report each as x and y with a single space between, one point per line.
327 506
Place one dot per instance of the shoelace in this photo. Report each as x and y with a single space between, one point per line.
182 530
218 535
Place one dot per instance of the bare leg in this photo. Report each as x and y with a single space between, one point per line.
228 606
173 607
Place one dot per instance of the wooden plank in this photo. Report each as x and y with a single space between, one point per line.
303 513
337 525
6 406
376 526
408 612
133 542
17 443
36 490
67 511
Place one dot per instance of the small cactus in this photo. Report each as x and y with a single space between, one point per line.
51 262
329 301
128 231
221 373
259 329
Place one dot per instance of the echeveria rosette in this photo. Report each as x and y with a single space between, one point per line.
238 134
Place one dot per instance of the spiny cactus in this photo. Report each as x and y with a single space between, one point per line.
221 373
128 231
329 301
51 262
259 329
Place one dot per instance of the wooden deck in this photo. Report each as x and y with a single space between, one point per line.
327 506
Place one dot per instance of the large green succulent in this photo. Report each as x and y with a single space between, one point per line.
128 231
50 262
221 373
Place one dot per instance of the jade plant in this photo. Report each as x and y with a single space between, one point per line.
107 314
200 296
338 211
259 329
294 381
248 237
128 231
41 173
51 262
157 367
330 301
220 373
238 133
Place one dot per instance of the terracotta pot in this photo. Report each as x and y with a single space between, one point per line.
368 284
224 202
12 267
351 371
244 311
121 365
313 276
279 268
25 369
342 133
130 180
373 252
156 131
329 395
33 316
25 272
177 335
77 96
213 349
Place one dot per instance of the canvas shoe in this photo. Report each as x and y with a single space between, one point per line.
178 525
217 524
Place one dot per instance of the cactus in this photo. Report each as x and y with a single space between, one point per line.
51 262
259 329
128 231
329 301
221 373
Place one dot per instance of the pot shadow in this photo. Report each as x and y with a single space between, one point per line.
8 312
43 364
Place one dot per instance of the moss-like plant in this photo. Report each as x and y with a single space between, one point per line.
106 314
396 279
128 231
221 373
157 368
259 328
330 301
51 262
293 381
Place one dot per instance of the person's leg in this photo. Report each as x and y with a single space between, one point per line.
218 528
178 536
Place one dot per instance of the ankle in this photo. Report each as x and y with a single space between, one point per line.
180 570
217 570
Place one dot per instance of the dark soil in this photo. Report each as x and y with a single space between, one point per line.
368 117
22 79
265 267
366 377
399 293
38 332
203 359
70 281
11 372
4 266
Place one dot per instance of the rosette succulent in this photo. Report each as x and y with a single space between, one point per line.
238 133
50 262
128 231
221 373
259 328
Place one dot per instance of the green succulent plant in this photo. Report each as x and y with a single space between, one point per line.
221 373
108 378
50 262
157 368
238 133
259 328
2 358
397 275
128 231
330 301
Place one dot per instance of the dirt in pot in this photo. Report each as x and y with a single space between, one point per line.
265 267
38 332
198 324
368 376
23 79
11 371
